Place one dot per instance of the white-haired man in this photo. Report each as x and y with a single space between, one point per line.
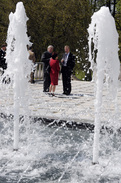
46 59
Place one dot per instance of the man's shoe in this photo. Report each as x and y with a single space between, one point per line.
32 82
67 93
52 94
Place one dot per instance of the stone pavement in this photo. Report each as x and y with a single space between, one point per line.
78 107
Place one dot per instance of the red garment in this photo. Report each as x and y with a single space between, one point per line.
54 72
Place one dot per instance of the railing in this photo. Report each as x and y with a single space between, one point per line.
38 75
39 71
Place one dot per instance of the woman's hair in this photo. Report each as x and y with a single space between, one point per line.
4 45
54 55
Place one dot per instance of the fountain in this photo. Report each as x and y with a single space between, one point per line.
47 153
19 66
103 52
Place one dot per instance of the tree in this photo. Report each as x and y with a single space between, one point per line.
118 23
59 23
5 8
115 9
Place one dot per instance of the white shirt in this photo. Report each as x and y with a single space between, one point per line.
66 59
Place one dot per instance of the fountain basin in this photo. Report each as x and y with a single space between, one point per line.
56 153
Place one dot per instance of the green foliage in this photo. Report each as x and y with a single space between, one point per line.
59 22
5 9
80 75
53 22
118 24
115 9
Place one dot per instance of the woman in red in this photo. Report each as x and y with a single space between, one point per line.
54 72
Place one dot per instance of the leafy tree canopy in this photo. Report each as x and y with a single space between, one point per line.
59 22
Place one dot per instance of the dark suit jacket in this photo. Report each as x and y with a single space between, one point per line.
70 63
2 59
45 59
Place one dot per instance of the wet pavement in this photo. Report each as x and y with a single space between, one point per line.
78 107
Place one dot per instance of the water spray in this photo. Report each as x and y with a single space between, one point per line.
103 55
19 66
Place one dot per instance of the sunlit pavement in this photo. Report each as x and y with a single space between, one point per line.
78 107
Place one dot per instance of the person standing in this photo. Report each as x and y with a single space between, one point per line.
46 59
54 72
33 59
3 63
68 63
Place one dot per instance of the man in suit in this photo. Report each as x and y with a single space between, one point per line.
68 63
3 63
46 59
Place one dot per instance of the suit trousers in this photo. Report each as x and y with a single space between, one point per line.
66 78
47 82
32 77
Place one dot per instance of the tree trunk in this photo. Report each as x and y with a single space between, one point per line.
108 4
114 8
95 5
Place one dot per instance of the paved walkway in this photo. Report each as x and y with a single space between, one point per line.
78 107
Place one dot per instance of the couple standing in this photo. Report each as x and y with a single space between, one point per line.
68 63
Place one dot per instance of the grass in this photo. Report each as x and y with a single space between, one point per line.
80 75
